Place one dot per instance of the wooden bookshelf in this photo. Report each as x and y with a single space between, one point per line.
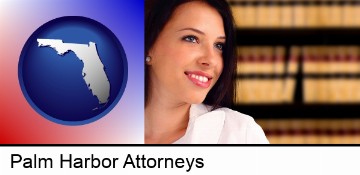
299 37
289 46
296 13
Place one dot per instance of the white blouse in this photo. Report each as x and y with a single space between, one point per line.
221 126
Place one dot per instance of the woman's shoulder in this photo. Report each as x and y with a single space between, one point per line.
223 125
236 116
238 121
240 128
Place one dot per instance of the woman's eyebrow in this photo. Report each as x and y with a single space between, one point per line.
194 30
199 32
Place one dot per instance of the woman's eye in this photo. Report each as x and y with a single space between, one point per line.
220 46
191 38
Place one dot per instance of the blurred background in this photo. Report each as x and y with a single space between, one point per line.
299 69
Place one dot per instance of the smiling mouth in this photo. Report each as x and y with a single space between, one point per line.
199 79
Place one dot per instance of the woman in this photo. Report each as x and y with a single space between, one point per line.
190 62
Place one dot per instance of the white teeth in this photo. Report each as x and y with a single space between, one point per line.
205 79
200 78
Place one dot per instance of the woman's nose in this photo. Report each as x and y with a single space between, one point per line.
209 57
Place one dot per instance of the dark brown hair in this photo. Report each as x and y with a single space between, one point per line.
158 13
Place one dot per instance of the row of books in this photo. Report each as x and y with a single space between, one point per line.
311 131
340 67
269 74
284 14
317 59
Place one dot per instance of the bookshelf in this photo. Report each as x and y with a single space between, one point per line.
299 68
301 37
296 13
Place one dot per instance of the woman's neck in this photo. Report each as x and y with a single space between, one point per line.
165 122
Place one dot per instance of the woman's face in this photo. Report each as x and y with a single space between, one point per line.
186 59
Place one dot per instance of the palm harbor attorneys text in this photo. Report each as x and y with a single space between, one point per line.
138 161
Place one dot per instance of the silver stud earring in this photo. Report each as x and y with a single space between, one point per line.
148 59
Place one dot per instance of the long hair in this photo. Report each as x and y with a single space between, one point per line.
158 13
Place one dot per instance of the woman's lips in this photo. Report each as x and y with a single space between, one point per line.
199 78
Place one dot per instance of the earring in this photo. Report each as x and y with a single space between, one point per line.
148 59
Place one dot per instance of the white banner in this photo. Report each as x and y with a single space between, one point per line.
224 160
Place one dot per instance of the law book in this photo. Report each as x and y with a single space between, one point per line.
286 136
345 71
272 64
238 15
262 14
264 59
333 56
324 11
245 14
243 60
311 65
322 68
240 89
356 60
340 83
274 14
264 66
244 93
356 131
325 132
241 67
319 131
309 84
337 133
332 69
255 64
348 131
325 90
278 62
349 66
252 88
266 89
296 130
311 131
254 82
238 12
349 10
336 14
250 14
322 83
299 15
312 15
286 14
356 14
330 14
246 87
278 70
